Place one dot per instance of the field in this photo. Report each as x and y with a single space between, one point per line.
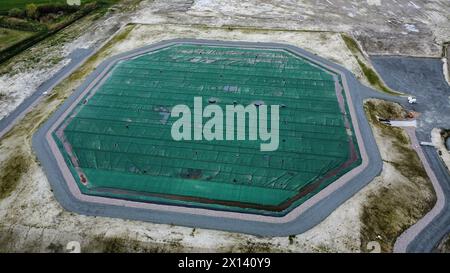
9 4
117 142
9 37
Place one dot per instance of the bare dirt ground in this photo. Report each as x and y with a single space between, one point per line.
410 27
32 220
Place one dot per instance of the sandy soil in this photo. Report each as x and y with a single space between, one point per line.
395 27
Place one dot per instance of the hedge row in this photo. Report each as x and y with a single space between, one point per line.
45 9
20 24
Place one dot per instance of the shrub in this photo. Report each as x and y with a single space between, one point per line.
15 12
32 11
55 8
21 24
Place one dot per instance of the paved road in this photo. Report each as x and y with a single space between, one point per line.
77 57
423 78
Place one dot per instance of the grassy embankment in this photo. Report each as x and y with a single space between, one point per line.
368 72
406 194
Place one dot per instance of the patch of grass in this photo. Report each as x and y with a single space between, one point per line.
410 164
11 172
383 109
55 248
113 245
390 211
256 247
323 249
368 72
445 245
373 78
395 207
388 111
351 44
118 245
9 37
291 239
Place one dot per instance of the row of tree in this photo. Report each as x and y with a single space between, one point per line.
33 11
